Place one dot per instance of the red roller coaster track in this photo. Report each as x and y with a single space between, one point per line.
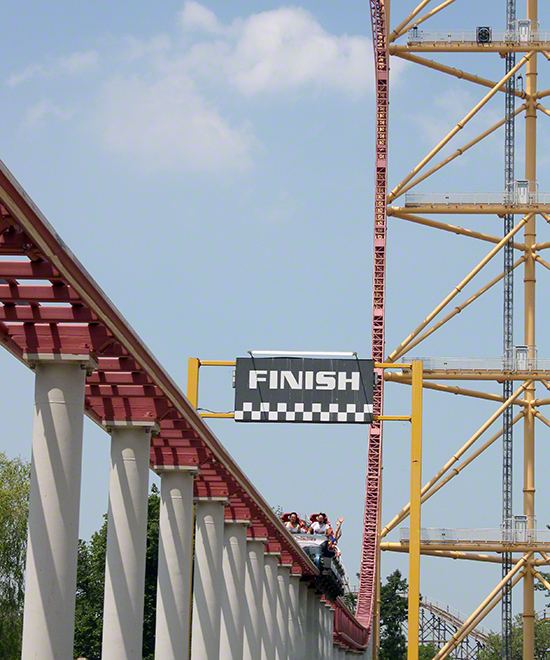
367 583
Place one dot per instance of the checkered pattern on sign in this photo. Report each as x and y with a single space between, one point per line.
282 412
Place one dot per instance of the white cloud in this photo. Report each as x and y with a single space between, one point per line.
285 49
151 97
77 63
70 65
167 124
36 114
195 16
136 49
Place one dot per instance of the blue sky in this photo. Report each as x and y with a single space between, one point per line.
211 164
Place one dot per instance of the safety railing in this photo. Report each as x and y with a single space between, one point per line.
473 198
418 36
348 630
481 364
466 535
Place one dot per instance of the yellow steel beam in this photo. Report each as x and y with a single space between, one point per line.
401 349
193 365
540 95
451 71
455 457
420 20
489 375
542 418
468 551
458 469
466 47
460 307
457 153
481 612
408 20
217 363
541 579
469 209
416 486
429 492
542 109
459 126
529 339
462 555
450 389
454 229
542 262
228 415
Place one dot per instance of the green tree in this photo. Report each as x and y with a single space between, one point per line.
14 513
492 650
393 613
151 572
91 586
427 651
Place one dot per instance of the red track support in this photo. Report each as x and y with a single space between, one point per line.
367 584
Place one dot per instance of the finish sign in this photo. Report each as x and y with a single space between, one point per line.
289 389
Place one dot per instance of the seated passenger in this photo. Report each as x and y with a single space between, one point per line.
293 524
329 546
319 526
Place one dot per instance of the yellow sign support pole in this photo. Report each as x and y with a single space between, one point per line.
193 381
416 487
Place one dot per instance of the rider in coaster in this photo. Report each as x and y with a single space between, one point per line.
293 524
319 526
330 546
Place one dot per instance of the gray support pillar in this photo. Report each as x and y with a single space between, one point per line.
324 626
302 648
54 506
233 590
271 564
126 540
312 627
281 638
321 629
254 589
294 629
175 563
205 631
329 636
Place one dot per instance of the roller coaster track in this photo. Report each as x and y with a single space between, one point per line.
367 583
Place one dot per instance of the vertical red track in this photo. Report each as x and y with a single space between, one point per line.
367 584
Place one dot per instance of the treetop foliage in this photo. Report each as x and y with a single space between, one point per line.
14 512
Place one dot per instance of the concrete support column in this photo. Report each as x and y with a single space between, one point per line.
54 506
302 649
329 623
126 540
271 569
254 589
175 563
283 598
294 628
233 590
312 626
205 635
322 630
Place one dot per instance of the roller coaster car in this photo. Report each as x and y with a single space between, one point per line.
332 576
